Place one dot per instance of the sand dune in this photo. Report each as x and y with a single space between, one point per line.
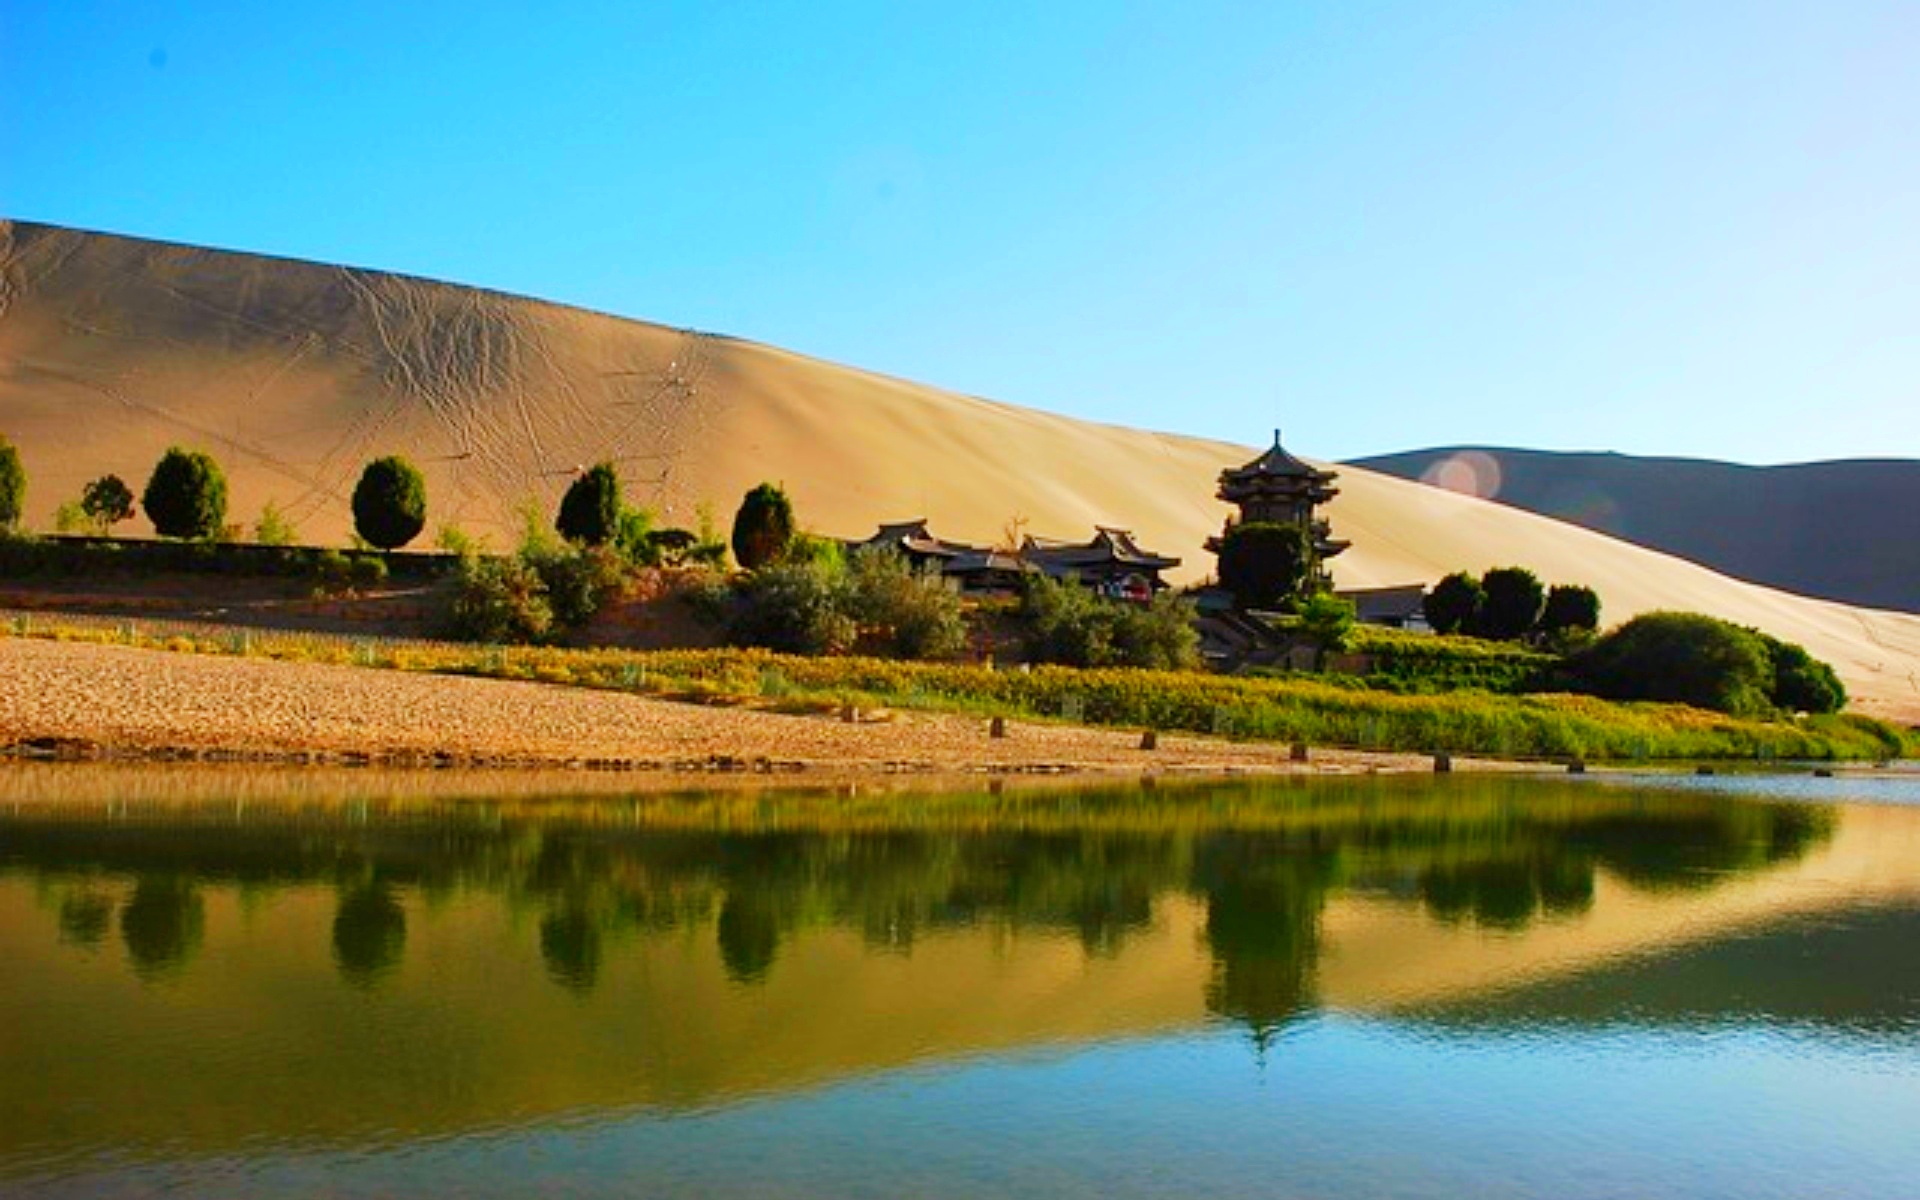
295 374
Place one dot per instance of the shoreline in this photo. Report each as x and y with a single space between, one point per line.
92 702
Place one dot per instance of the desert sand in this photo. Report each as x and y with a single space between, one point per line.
296 374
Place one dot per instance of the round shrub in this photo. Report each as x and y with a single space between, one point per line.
1453 606
390 503
1684 658
1570 607
187 495
762 527
1512 606
590 511
106 502
1801 682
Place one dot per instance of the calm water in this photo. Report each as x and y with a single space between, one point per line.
1488 987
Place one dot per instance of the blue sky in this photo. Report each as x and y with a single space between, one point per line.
1678 228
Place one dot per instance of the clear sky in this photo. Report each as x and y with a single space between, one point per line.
1670 227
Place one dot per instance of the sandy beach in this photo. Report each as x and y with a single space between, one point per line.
79 700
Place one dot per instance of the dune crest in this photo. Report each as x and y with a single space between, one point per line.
296 374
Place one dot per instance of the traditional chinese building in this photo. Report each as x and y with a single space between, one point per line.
1279 489
1111 563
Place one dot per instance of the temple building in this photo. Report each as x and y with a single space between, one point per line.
1111 563
1280 489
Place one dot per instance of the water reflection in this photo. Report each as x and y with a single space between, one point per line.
467 963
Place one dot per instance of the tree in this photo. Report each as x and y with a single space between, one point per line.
1685 658
1801 682
1453 606
106 502
590 511
13 485
763 527
1328 620
390 503
187 495
1570 607
1264 563
1512 606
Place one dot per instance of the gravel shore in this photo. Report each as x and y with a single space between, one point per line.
83 700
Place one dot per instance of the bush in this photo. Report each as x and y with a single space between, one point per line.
499 600
1453 606
390 503
578 580
273 528
1680 657
13 486
187 495
1264 563
106 502
1328 620
1512 604
1801 682
1570 608
799 608
762 527
916 612
1066 623
590 511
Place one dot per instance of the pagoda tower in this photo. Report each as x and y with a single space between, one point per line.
1280 489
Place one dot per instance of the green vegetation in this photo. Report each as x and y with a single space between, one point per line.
106 501
1685 658
13 486
1801 682
1328 620
762 527
1062 622
273 528
906 613
1453 606
390 503
1282 709
590 512
1265 564
1428 664
186 497
1572 610
1512 604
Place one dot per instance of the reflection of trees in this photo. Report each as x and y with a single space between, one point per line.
1508 893
1497 853
1263 901
162 924
369 934
570 944
85 917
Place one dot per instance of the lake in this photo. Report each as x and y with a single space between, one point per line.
280 984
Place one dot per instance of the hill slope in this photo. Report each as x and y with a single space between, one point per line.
295 374
1847 531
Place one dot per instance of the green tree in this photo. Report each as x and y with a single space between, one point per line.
1684 658
796 608
106 501
1801 682
590 511
1328 620
187 495
1570 608
390 503
13 486
763 527
915 611
1453 606
1264 563
1512 606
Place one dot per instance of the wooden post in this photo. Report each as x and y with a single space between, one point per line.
1442 764
997 728
1577 767
1298 753
1150 740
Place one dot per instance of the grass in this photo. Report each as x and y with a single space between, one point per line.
1276 709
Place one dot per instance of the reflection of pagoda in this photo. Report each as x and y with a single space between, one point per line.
1280 489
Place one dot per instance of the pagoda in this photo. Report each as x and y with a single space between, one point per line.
1280 489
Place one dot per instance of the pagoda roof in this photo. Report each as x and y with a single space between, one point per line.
1109 545
913 537
1276 461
